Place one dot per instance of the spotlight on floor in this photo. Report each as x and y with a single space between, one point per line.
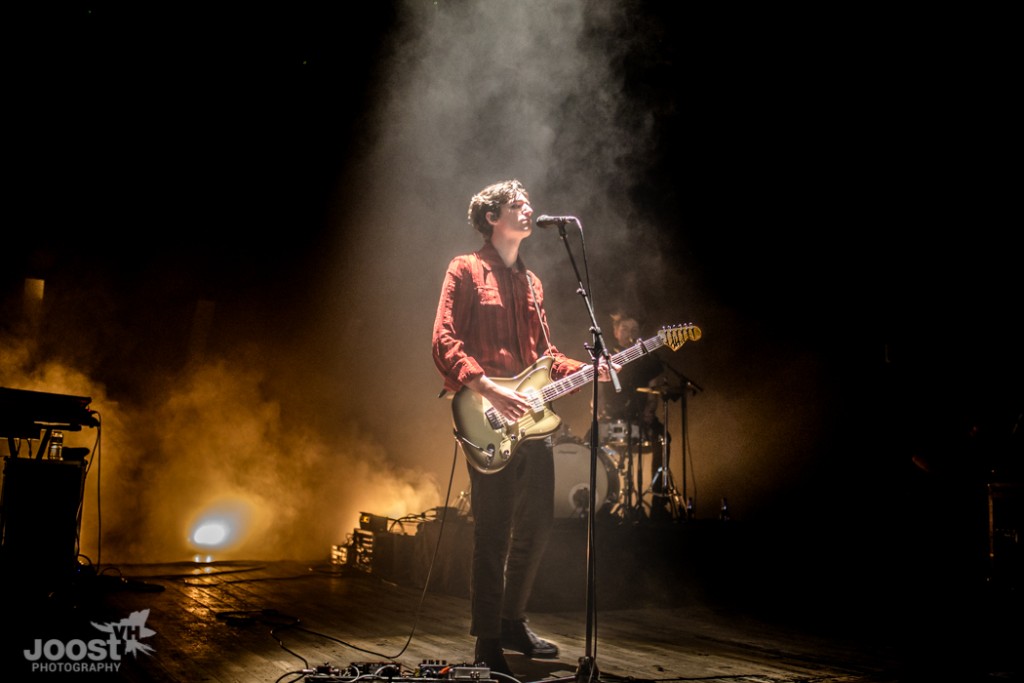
219 528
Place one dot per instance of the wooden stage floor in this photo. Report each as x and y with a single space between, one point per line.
740 617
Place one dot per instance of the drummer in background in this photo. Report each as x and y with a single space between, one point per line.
639 409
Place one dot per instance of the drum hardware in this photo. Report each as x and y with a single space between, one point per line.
629 440
662 490
663 496
618 432
629 507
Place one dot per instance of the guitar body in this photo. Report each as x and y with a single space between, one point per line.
489 447
489 441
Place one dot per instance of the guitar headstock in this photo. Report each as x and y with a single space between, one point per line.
674 337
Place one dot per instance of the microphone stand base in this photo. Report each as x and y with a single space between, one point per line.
587 671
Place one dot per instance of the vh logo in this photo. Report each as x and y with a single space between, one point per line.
123 637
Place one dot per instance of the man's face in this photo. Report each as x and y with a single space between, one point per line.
515 217
626 331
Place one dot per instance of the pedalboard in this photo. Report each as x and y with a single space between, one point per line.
393 672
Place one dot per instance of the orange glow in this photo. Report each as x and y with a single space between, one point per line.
34 290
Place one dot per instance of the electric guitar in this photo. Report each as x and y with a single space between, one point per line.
489 440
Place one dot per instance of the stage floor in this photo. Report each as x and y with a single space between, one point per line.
273 621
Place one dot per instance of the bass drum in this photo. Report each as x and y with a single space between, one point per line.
572 480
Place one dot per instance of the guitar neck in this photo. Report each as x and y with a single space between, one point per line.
585 375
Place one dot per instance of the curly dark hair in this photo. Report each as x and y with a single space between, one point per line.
489 200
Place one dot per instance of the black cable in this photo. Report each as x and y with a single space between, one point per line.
235 617
295 624
430 568
97 450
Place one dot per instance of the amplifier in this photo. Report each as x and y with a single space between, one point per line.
40 508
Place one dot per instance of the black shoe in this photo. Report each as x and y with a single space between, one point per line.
517 636
488 652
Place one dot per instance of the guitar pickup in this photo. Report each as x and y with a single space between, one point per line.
494 419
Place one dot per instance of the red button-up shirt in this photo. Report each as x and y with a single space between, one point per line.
488 323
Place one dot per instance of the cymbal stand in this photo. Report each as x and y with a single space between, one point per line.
687 385
663 485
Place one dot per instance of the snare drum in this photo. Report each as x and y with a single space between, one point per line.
572 480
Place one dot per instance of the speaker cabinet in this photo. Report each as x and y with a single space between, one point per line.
39 520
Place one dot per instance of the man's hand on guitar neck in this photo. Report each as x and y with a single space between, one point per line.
602 371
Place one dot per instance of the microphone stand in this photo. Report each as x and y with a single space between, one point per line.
587 669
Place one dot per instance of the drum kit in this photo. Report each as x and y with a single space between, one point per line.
622 447
619 475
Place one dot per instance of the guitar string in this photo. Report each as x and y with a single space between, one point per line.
584 376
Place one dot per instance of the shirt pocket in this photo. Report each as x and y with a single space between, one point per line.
488 295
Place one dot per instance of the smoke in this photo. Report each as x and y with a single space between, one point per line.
473 93
469 94
476 92
215 440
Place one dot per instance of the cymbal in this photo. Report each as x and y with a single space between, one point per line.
667 393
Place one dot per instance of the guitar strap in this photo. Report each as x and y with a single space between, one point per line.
540 313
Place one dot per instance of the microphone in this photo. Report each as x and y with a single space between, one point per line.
546 221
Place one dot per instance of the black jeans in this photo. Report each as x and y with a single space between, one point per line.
513 512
